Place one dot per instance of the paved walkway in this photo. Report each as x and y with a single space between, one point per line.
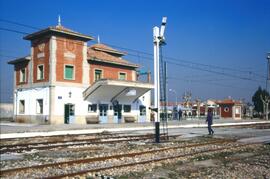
17 130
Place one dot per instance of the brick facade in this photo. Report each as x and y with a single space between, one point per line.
41 52
109 71
18 67
230 108
226 110
69 52
51 93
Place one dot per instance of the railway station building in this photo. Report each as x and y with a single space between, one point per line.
65 81
229 108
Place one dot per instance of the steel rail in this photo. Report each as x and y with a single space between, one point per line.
266 125
61 135
96 159
256 126
141 162
28 147
77 140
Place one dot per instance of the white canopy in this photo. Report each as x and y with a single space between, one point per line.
106 90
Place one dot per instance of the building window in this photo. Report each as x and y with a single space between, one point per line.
122 76
226 109
40 72
21 106
237 111
98 74
92 107
127 108
69 72
142 110
39 106
22 75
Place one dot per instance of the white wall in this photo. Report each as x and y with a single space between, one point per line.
6 110
30 97
146 101
62 97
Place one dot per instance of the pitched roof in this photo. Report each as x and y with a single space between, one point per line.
105 48
106 54
228 101
60 30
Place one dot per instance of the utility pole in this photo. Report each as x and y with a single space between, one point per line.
186 98
166 89
198 102
268 72
158 35
266 99
173 91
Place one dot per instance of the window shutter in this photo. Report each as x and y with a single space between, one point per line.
68 72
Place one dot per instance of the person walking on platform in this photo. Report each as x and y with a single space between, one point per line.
180 114
209 121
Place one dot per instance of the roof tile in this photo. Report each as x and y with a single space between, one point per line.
103 53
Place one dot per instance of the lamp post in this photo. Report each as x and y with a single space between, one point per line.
187 97
175 114
173 91
268 71
266 99
158 40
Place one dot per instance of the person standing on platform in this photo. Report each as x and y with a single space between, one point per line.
209 121
180 114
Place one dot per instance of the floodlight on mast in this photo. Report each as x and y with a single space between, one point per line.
159 39
162 30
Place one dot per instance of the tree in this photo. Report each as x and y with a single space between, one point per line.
257 101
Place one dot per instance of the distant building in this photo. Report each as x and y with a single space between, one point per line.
65 81
201 108
229 108
248 110
6 111
226 108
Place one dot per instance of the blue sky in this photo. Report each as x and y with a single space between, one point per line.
231 34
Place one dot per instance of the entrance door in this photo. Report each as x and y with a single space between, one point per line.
117 111
103 110
69 113
142 116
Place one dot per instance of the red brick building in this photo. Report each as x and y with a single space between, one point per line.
229 108
65 81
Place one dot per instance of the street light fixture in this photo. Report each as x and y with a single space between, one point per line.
171 90
268 71
158 40
175 114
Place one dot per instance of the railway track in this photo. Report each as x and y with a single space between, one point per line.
256 126
77 142
55 139
107 161
84 172
60 136
72 163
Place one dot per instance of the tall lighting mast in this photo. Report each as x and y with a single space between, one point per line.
266 99
159 39
268 72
